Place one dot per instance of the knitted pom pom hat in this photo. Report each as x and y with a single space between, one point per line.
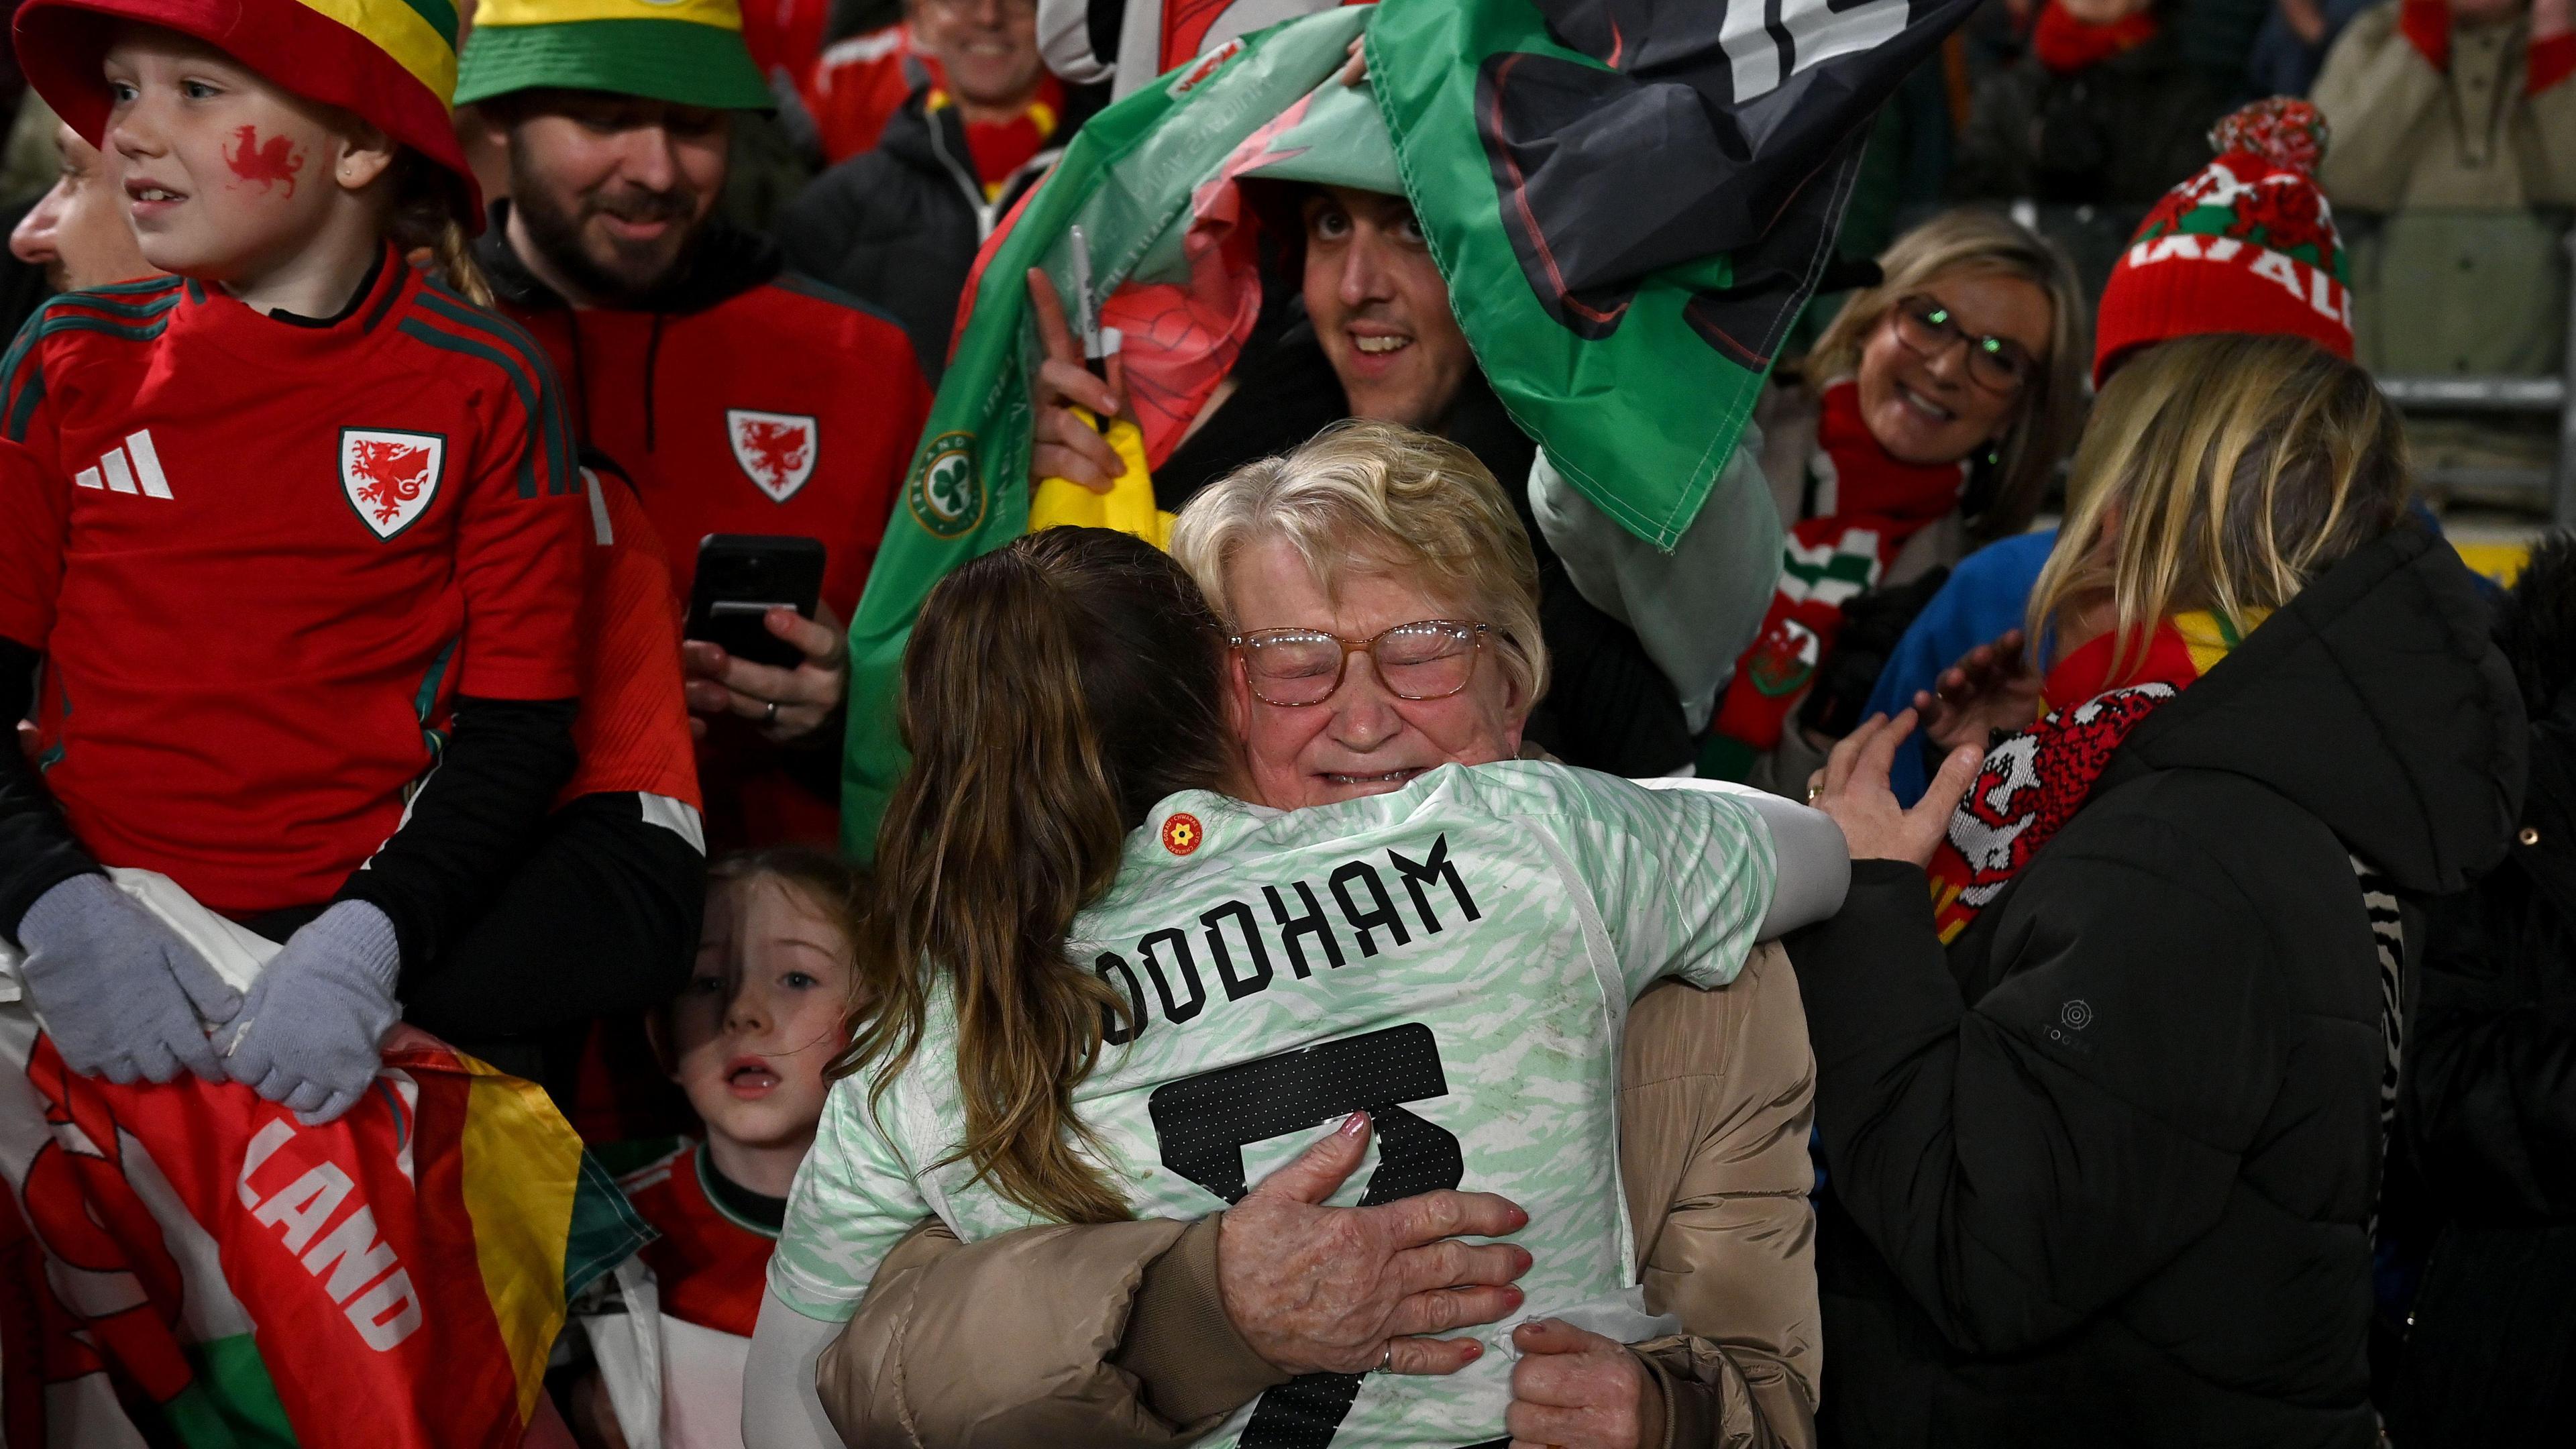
2248 245
391 63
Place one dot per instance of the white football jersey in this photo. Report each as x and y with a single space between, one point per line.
1456 958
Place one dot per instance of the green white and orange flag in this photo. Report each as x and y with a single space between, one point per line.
1631 200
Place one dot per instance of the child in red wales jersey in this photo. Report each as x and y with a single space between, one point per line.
296 534
747 1040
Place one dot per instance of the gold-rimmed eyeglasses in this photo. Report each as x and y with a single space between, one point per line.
1426 659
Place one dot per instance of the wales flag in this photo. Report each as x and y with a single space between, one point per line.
187 1265
1630 200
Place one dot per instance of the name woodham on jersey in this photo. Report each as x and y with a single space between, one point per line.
1238 941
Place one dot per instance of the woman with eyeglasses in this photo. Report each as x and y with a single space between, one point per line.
1174 889
1927 422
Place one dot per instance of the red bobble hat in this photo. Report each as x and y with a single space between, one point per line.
2248 245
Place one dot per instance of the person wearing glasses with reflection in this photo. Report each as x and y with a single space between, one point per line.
1925 423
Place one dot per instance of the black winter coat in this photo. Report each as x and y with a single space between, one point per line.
2116 133
899 226
2102 1172
2490 1104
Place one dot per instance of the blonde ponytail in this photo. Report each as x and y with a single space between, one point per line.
453 256
425 226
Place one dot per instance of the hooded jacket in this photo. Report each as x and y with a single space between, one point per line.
741 399
898 226
2103 1171
2489 1113
2467 164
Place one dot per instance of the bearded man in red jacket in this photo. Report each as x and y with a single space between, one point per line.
741 398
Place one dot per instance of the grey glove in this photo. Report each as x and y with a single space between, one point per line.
120 993
310 1032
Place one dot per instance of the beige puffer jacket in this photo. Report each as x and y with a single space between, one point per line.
2469 175
1110 1337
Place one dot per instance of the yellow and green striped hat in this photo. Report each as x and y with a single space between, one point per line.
687 52
390 62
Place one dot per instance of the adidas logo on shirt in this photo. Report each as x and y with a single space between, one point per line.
133 468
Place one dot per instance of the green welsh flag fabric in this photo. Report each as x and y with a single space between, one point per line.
1126 179
1631 201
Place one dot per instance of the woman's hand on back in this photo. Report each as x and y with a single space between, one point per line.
1852 788
1992 687
1316 1289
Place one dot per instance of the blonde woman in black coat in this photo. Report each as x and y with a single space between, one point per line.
2101 1094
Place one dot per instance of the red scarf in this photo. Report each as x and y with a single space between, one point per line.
1869 504
2066 45
2034 781
1001 148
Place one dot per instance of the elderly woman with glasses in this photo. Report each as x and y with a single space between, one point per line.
1316 571
1926 422
1378 606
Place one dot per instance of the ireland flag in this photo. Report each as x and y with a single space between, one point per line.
1630 200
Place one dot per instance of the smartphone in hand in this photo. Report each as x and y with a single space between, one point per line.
741 577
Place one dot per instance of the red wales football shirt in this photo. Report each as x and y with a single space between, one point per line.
712 1265
633 733
262 558
786 408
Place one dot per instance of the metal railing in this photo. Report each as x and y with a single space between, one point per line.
2556 485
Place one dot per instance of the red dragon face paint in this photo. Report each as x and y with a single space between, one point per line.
266 163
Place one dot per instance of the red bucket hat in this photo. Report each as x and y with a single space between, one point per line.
391 63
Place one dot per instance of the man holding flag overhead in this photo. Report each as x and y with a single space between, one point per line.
1362 327
1626 357
1628 204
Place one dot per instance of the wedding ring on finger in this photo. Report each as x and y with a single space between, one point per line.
770 716
1386 1360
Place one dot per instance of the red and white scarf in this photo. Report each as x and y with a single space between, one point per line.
2035 780
1868 504
1001 148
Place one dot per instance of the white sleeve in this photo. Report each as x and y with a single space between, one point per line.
1696 609
1681 878
1813 859
780 1406
853 1199
1064 41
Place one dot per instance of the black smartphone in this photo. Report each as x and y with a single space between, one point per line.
741 577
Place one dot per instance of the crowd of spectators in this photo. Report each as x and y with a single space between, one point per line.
2239 1114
